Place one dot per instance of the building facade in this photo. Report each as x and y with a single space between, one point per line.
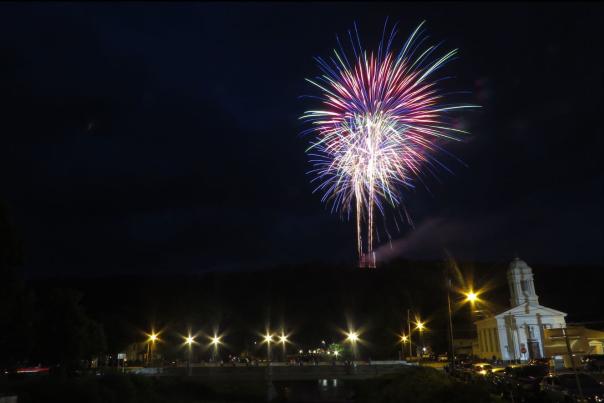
518 333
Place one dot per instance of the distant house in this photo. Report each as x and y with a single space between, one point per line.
137 352
581 341
519 332
463 346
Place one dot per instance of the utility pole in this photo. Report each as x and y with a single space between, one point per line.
189 368
451 346
572 361
410 338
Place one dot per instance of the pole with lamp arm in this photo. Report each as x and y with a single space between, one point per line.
451 345
409 333
189 340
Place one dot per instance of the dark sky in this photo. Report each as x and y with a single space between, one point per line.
165 137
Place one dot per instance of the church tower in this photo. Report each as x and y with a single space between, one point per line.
522 287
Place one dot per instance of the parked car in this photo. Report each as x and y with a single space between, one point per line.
524 382
481 369
593 362
464 371
494 375
546 362
563 388
499 379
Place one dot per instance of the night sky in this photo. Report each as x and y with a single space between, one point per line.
160 138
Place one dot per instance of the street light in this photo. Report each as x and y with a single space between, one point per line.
420 326
471 297
404 340
153 337
283 340
353 337
189 340
268 338
215 342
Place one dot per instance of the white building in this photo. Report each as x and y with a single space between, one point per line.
517 333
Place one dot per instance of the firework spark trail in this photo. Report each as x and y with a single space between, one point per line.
380 127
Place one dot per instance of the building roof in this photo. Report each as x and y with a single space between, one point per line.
526 309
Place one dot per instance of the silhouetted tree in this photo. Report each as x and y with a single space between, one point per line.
16 301
65 335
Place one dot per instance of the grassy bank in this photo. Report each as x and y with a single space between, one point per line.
421 385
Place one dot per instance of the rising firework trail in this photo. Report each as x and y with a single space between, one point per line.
380 126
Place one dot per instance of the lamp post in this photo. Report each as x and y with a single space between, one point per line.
451 344
353 337
151 347
189 340
283 340
420 326
268 338
215 342
409 333
404 340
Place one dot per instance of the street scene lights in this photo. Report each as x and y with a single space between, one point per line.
352 337
471 297
419 325
189 340
403 339
215 341
153 337
283 340
268 338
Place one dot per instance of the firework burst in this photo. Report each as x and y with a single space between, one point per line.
381 124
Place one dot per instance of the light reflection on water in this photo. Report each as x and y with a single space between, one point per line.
316 391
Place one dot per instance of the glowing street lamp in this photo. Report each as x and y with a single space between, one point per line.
353 337
189 340
471 297
404 339
268 339
153 337
215 341
284 340
419 325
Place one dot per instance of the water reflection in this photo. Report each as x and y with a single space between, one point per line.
319 391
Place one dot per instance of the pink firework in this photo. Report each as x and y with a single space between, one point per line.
381 124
